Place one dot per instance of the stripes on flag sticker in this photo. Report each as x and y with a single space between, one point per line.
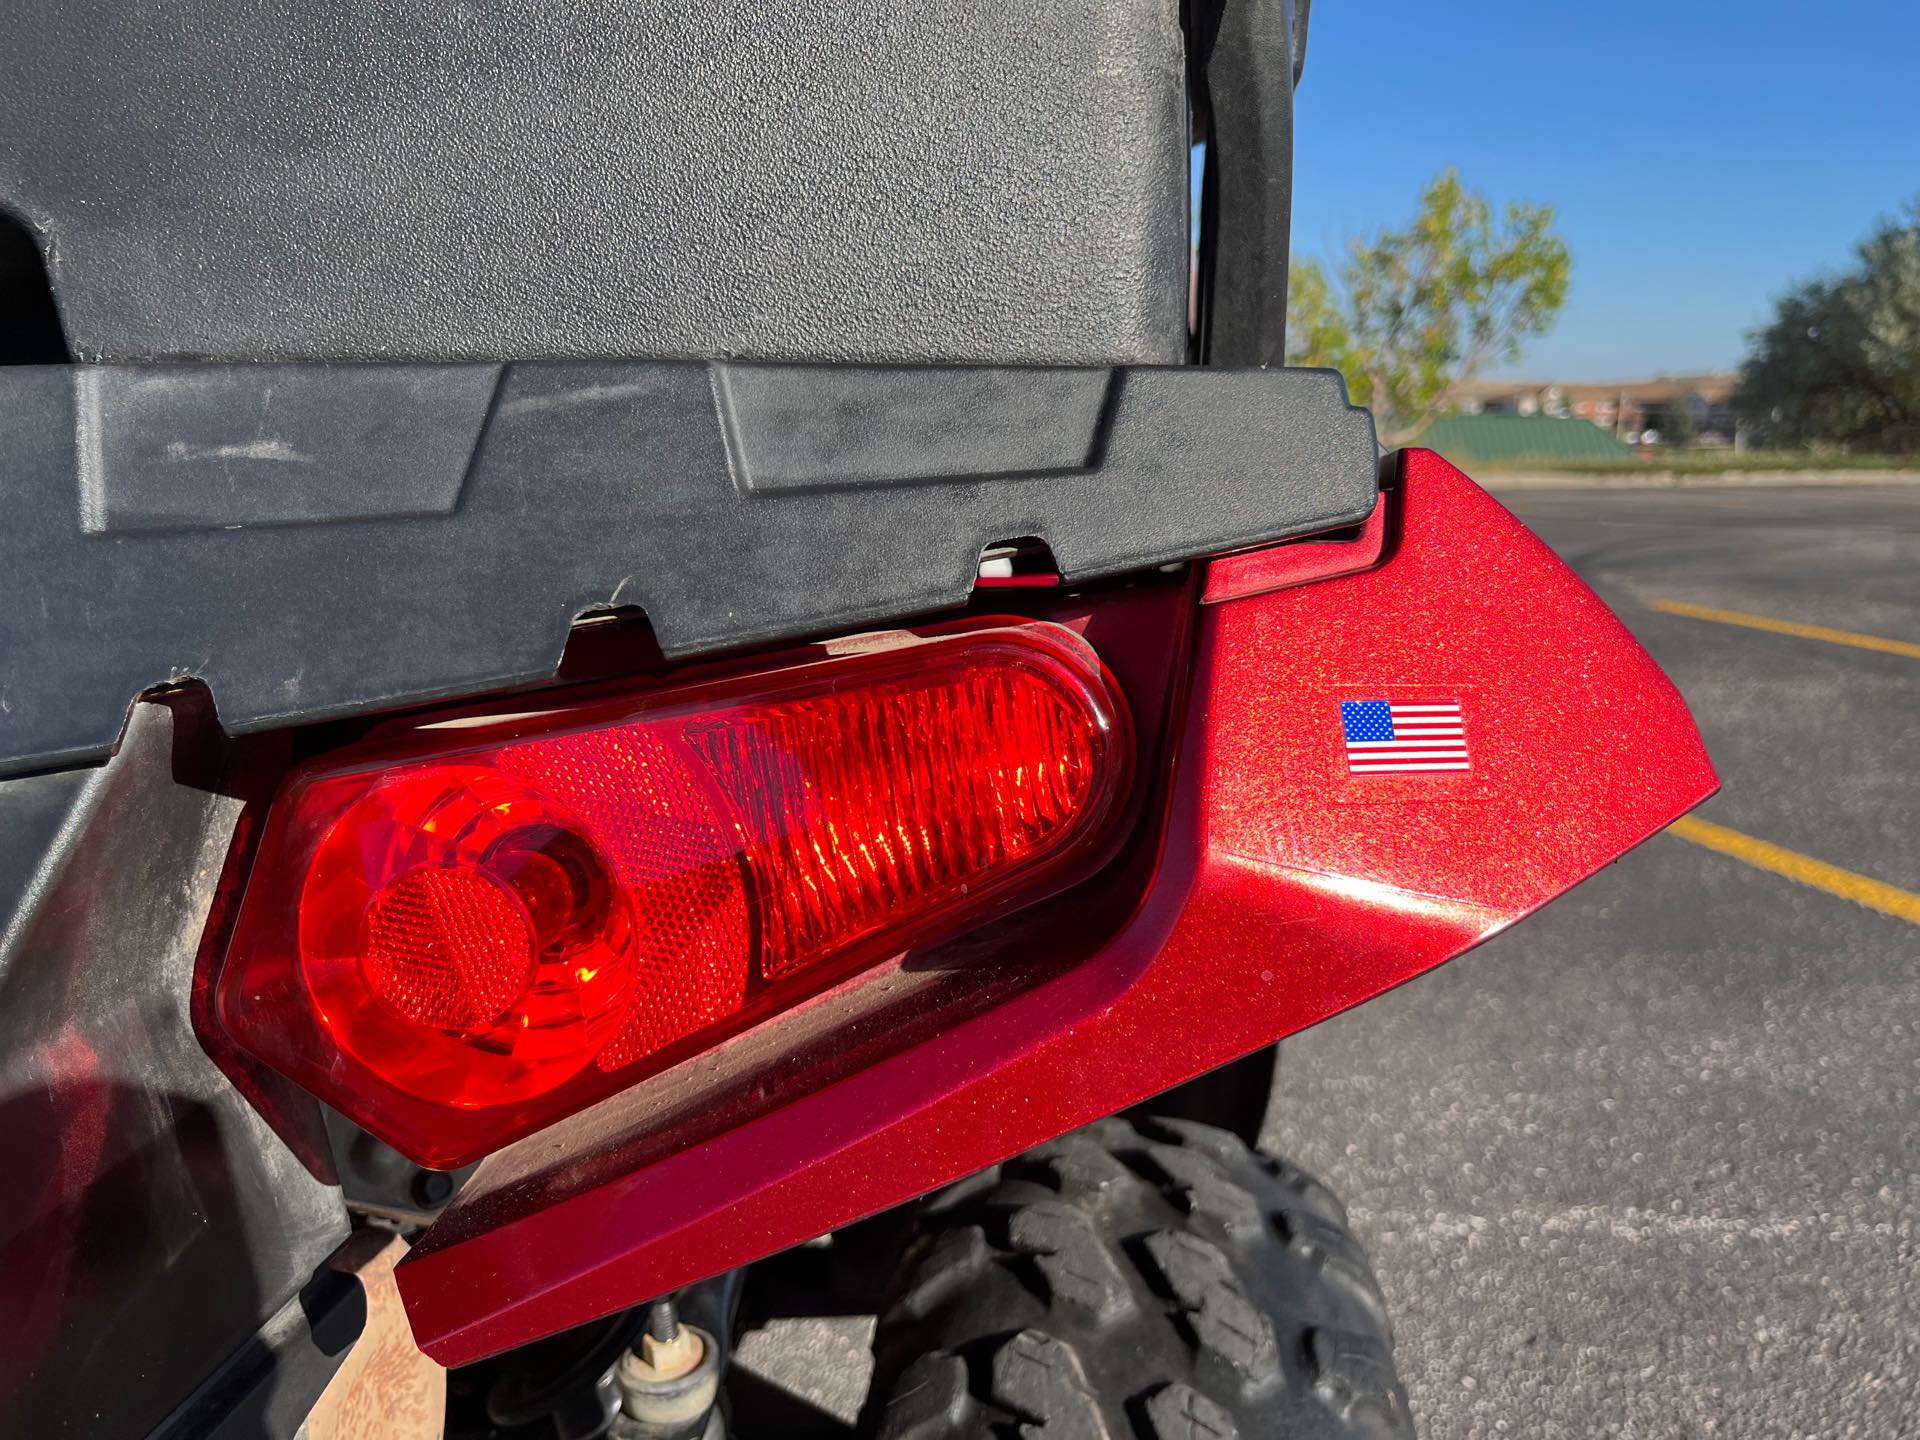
1385 737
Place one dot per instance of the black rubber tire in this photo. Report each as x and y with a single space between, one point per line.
1150 1279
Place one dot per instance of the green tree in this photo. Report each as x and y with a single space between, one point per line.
1413 311
1676 424
1839 363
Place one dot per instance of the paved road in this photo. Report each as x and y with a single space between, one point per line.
1646 1166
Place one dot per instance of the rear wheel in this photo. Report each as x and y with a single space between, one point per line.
1139 1280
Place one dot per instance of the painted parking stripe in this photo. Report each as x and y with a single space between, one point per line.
1789 627
1776 860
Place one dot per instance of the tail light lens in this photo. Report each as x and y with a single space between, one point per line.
467 927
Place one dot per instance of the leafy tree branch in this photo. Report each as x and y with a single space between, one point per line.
1412 311
1839 363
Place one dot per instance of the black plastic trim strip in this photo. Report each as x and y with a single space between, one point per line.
319 540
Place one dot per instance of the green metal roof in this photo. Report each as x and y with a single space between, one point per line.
1469 440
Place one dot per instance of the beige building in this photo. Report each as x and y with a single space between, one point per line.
1626 409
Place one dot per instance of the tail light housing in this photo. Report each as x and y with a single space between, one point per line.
1285 884
467 926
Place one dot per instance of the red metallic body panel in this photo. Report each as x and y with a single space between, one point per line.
1287 890
1298 562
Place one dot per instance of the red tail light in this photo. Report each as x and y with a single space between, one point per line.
466 928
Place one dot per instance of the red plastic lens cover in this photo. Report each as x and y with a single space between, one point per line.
466 927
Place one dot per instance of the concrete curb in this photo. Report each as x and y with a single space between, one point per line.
1671 480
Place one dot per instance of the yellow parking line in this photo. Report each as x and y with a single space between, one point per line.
1788 627
1874 894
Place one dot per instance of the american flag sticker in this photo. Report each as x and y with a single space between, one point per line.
1385 737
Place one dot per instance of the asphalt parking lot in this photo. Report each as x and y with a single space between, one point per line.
1645 1166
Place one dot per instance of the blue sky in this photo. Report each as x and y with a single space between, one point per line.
1702 157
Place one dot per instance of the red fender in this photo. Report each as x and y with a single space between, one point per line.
1287 889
